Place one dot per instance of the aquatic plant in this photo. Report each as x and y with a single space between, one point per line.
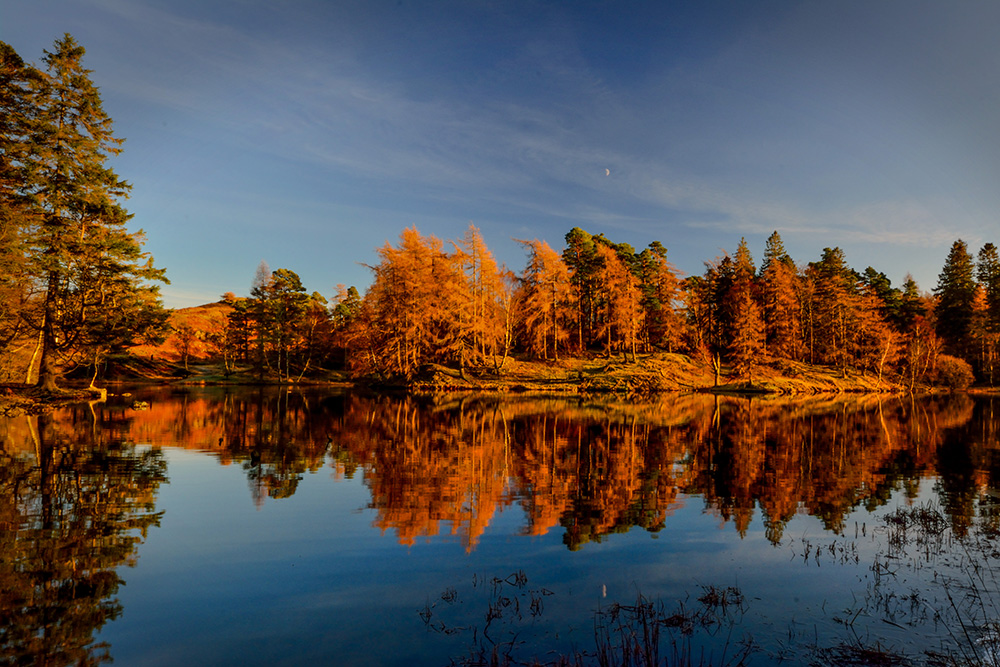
641 634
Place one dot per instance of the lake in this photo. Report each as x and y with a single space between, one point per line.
265 526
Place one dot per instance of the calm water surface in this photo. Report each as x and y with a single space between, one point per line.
270 527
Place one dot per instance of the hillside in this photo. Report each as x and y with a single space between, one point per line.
206 321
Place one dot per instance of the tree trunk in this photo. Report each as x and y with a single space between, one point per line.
34 359
47 371
47 374
881 363
97 360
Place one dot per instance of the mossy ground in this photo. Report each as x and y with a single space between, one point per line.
649 373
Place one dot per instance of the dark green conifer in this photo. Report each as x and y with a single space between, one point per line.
988 275
88 268
580 256
955 294
15 211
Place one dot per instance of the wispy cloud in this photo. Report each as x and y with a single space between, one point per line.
827 124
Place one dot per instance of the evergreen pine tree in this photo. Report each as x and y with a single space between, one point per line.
85 262
955 295
580 256
15 213
911 305
988 275
661 292
774 252
780 311
834 301
746 331
878 286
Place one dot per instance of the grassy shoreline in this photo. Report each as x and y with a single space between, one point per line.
648 374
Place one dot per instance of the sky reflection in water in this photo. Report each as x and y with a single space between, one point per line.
283 528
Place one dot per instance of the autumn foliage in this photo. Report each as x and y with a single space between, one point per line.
437 304
433 302
77 287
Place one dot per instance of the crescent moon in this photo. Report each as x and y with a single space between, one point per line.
607 172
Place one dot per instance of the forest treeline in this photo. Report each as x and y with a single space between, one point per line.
432 302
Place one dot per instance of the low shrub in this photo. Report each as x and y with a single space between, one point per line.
952 372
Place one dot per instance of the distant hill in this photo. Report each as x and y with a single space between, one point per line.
207 321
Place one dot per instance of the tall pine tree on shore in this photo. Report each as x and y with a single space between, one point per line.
86 266
988 275
747 332
780 307
955 294
661 294
15 212
580 257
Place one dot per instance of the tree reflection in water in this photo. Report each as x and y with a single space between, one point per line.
77 496
593 466
75 502
600 468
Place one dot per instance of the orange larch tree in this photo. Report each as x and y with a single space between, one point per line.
706 319
746 326
874 342
921 348
984 336
622 315
414 310
546 300
780 302
488 296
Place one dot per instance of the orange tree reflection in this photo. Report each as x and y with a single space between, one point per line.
594 466
73 509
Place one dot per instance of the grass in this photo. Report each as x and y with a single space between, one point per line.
925 577
647 374
644 633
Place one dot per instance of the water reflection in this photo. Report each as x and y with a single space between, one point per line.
77 495
597 469
590 468
75 502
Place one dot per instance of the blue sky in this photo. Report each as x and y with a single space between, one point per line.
307 133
